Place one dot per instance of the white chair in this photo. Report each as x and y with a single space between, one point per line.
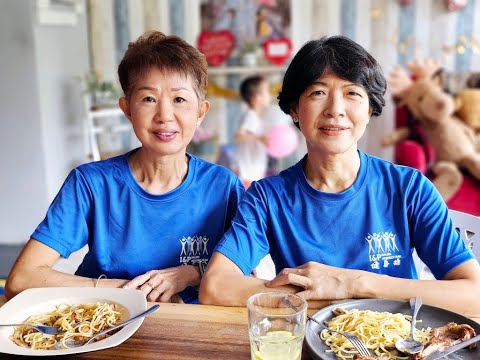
265 269
102 126
71 264
469 227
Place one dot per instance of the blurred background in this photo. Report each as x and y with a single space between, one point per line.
59 87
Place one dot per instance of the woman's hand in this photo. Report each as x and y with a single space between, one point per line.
320 282
164 285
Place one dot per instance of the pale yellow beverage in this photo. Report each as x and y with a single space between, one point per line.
276 345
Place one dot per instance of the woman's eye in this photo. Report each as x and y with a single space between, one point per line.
354 93
148 99
179 100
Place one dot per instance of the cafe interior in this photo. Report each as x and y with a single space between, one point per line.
59 102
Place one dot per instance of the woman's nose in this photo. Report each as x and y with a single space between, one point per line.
335 106
164 111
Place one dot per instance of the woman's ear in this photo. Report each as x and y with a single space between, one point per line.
125 106
202 111
294 113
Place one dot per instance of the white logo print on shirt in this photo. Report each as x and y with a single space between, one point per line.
382 249
194 250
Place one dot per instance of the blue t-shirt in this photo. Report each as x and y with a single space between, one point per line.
374 225
130 231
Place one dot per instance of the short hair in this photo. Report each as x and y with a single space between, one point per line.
249 87
347 59
155 49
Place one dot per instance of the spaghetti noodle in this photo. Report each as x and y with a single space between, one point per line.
79 323
378 331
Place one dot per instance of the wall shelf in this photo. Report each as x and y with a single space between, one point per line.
92 129
261 69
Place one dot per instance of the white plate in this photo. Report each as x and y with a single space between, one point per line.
37 301
430 316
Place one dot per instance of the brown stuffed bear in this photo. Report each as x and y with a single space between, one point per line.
454 142
468 102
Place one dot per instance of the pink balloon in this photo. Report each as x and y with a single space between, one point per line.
282 141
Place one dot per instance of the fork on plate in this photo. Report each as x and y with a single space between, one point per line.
49 330
354 340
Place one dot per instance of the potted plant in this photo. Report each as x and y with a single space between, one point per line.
103 93
247 50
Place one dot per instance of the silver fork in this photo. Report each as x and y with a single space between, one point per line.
354 340
49 330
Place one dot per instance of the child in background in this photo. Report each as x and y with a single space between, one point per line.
251 150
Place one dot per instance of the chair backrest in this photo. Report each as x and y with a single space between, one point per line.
469 227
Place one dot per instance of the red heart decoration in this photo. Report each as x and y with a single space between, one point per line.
216 46
455 5
277 51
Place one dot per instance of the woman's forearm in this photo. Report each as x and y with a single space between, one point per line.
233 289
230 289
459 295
44 276
459 291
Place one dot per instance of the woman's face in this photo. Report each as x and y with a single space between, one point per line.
164 111
333 114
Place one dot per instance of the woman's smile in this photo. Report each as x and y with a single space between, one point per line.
333 130
166 135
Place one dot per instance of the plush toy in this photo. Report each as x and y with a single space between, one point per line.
468 102
453 142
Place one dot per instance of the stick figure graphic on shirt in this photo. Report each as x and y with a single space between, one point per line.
192 247
205 241
378 242
370 247
183 241
394 244
386 240
199 244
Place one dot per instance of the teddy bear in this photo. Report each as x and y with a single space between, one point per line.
454 143
468 102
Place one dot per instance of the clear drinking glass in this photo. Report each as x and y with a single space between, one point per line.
275 328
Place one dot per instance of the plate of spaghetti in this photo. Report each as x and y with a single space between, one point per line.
79 312
378 323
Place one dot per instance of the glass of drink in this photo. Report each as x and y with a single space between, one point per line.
276 325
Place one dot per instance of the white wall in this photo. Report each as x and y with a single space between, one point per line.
39 118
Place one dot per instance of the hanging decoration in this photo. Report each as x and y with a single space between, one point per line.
376 13
218 91
455 5
463 44
277 51
216 45
215 90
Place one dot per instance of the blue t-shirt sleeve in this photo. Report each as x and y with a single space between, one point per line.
236 193
246 242
435 238
65 227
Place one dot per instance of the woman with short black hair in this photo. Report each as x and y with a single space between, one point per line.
341 223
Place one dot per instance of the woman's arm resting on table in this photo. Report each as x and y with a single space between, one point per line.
326 282
225 284
33 268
